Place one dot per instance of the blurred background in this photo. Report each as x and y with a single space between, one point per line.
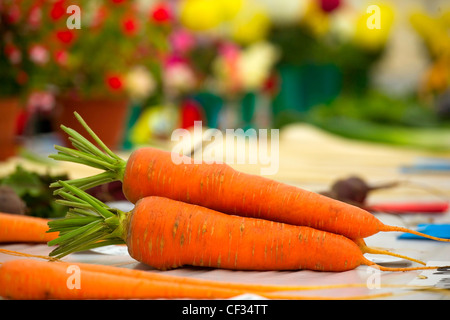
136 70
365 71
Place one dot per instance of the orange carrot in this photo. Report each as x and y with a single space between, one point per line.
20 228
32 279
38 280
152 172
158 276
165 233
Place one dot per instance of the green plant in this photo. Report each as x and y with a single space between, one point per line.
33 189
93 60
19 33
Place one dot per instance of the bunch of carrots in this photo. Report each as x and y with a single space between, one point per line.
208 215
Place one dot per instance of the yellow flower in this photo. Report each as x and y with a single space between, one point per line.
316 19
155 121
251 24
229 8
434 31
201 15
373 27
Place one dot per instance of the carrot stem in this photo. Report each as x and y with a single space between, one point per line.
85 199
83 183
87 153
84 156
64 157
91 224
96 138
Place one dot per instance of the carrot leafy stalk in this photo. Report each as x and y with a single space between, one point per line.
87 153
88 224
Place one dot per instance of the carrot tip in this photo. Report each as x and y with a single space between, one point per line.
402 229
382 268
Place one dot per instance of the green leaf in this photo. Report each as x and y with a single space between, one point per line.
33 189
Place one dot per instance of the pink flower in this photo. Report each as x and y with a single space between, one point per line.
100 16
182 41
35 16
178 75
229 51
39 54
40 101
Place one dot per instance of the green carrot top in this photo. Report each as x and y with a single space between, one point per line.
87 153
88 224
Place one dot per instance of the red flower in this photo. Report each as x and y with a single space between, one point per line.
22 77
65 36
271 84
160 13
13 53
129 26
329 5
114 82
13 14
100 16
61 57
117 1
191 111
58 10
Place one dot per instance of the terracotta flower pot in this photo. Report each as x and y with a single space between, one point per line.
9 108
106 117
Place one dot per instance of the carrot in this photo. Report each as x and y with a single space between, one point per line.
151 172
32 279
149 275
139 274
21 228
165 234
38 280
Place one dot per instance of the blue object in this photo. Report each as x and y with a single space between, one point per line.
426 167
428 164
435 230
